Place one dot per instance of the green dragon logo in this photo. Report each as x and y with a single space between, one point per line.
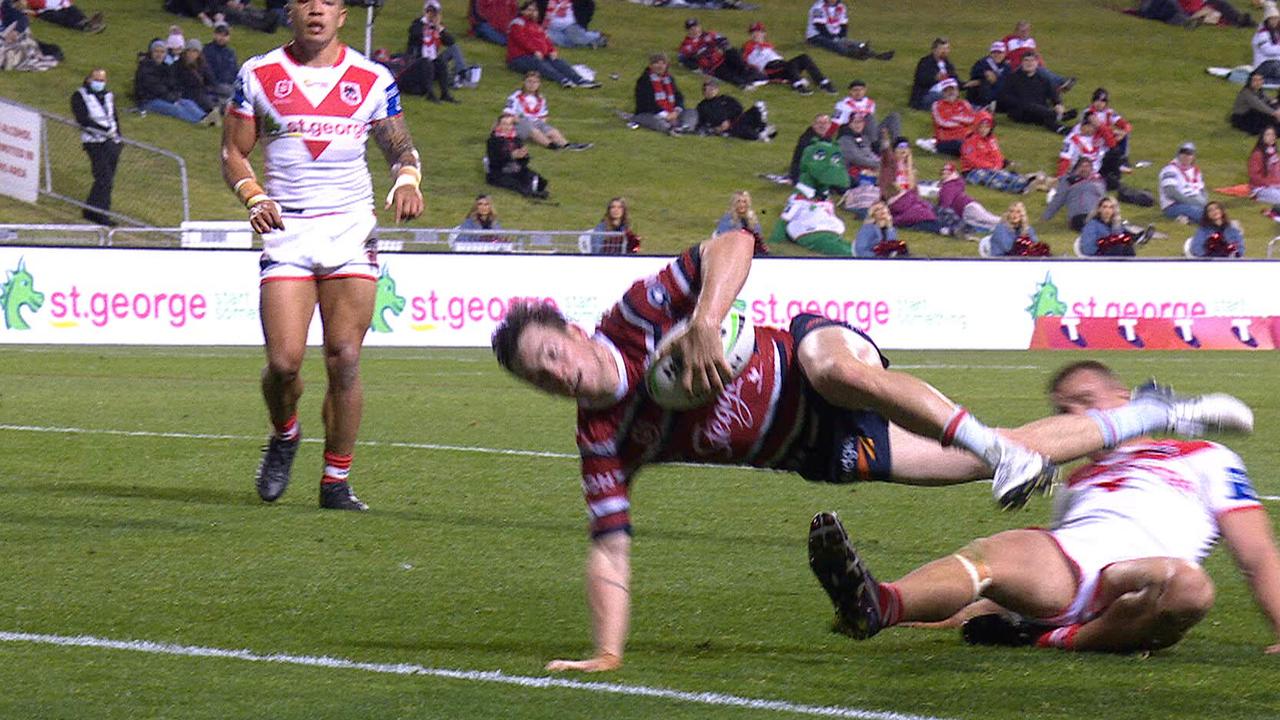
1045 300
387 299
16 293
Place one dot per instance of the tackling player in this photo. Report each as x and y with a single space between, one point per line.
312 103
1119 570
816 399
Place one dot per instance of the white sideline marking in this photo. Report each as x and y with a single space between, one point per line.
367 443
489 676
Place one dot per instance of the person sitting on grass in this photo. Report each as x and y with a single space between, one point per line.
1264 172
617 219
1217 236
898 188
428 48
481 217
489 19
742 216
1079 191
529 48
723 115
878 238
952 118
1118 569
957 210
507 161
1182 189
983 163
828 28
66 14
659 102
987 75
710 53
1030 98
931 70
765 58
530 108
1013 236
1252 109
156 89
1106 234
858 104
566 23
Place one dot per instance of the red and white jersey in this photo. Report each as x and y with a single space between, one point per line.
754 422
313 123
760 54
559 14
952 118
1017 47
524 105
846 108
431 41
830 17
1159 498
40 6
1077 145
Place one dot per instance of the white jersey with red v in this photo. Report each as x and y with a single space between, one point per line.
313 123
756 421
1159 498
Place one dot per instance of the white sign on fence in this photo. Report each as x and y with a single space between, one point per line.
194 297
19 152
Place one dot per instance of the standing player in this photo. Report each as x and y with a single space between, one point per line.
1119 570
312 102
816 399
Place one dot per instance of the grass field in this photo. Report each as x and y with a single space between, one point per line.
142 525
680 187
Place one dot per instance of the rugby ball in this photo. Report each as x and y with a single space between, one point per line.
737 339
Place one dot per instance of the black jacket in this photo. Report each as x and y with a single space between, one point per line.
645 102
927 76
414 50
713 111
498 151
155 80
1022 90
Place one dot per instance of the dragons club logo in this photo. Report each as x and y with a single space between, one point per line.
18 292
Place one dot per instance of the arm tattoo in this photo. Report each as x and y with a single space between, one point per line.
392 136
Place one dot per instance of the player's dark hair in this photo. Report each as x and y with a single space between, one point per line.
1079 366
521 314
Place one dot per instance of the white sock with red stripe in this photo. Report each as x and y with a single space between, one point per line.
1063 638
964 430
889 599
290 429
1130 421
336 468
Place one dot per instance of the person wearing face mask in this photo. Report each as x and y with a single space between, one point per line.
94 107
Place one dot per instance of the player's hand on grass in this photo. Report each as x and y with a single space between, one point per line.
264 217
704 370
407 201
603 662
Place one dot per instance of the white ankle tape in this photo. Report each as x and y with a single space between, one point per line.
979 583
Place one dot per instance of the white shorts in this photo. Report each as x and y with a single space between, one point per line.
1091 548
320 247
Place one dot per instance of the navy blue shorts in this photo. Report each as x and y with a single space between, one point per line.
848 445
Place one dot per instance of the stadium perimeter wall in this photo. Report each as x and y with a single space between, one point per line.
210 297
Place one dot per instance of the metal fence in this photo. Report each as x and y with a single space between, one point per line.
238 235
142 167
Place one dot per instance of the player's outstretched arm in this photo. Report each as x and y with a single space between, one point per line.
726 262
239 135
1248 535
609 595
392 135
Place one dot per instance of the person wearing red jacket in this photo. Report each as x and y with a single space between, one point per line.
983 163
489 19
952 117
710 53
529 48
